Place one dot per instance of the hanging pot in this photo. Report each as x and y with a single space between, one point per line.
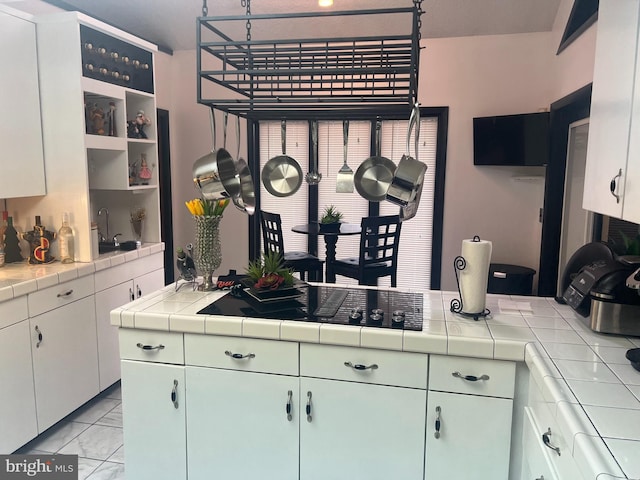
246 201
215 173
409 175
282 175
374 175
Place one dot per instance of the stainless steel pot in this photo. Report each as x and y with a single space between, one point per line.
215 173
374 175
282 175
409 175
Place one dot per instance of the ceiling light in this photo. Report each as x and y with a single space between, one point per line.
325 3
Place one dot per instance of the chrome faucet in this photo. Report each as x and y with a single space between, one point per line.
106 211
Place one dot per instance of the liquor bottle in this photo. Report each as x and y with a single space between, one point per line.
65 240
11 243
3 227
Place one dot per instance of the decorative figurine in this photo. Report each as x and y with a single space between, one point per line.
145 171
11 244
97 120
112 120
133 174
142 121
39 239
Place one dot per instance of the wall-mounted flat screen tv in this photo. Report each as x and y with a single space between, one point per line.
512 140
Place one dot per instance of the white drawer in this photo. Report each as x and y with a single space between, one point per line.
59 295
382 367
13 311
535 460
151 346
446 375
127 271
237 353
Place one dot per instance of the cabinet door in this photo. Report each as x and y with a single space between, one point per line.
108 346
17 403
535 461
237 425
149 282
153 406
610 117
22 165
474 437
65 359
361 431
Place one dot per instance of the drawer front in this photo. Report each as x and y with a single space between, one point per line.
12 311
535 460
151 346
446 375
147 264
246 354
59 295
382 367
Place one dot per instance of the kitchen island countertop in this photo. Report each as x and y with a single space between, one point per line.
589 385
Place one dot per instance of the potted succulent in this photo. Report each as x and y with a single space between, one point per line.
330 220
269 273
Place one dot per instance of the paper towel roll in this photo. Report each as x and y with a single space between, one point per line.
473 279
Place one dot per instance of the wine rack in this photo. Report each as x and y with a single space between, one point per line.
112 60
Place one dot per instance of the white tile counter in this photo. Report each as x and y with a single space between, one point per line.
17 279
584 376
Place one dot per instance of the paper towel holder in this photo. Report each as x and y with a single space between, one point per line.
459 264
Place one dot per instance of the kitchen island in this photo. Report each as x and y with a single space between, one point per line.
563 377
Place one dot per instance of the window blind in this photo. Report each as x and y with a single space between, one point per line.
293 209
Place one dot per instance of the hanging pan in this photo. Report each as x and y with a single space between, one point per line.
409 175
374 175
246 201
215 173
282 175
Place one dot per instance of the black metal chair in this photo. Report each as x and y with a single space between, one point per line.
302 262
379 242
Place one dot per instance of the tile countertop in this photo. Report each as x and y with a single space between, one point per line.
584 377
17 279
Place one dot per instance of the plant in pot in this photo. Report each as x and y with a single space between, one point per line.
269 273
330 220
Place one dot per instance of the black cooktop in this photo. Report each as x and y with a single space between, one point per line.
346 306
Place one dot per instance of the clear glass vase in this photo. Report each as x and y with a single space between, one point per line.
207 251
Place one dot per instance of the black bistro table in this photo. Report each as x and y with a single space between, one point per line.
330 241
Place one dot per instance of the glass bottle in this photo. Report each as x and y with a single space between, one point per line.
65 240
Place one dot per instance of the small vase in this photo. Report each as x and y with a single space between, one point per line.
207 249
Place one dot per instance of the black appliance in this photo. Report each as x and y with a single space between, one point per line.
511 140
326 304
599 293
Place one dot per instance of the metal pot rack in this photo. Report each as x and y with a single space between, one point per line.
267 75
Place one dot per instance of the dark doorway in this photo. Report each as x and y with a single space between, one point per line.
564 112
166 212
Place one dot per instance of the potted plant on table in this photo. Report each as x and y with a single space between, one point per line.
330 220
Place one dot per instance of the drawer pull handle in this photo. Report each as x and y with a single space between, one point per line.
359 366
438 423
65 294
174 394
139 290
541 477
289 404
131 295
150 347
614 185
470 378
39 337
547 442
309 418
239 356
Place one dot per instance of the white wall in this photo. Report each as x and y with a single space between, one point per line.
190 138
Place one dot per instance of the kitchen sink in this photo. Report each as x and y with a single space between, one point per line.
105 247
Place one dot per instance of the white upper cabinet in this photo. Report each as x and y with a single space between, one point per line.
21 155
612 175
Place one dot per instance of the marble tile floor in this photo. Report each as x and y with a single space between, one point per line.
93 432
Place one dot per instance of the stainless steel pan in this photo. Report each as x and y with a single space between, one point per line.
282 175
374 175
215 173
246 201
409 175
